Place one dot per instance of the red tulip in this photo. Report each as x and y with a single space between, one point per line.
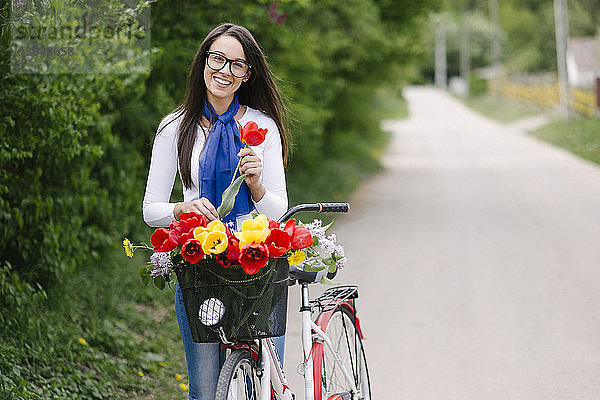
178 231
273 224
185 237
230 256
192 251
192 220
251 134
183 229
301 238
278 242
289 227
253 257
164 240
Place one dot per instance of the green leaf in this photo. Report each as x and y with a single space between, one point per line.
327 281
228 199
159 282
332 267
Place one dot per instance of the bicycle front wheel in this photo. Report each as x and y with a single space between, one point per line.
348 352
238 379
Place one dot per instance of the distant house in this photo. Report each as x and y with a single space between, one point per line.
583 61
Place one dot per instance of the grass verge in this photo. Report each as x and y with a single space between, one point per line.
579 135
499 109
99 334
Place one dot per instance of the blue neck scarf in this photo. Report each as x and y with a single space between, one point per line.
219 160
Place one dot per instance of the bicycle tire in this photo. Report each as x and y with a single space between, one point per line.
342 329
238 378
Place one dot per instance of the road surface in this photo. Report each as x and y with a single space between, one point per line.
477 253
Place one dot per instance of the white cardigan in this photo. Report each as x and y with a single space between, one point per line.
157 208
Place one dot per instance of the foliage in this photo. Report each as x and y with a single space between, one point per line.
64 186
527 33
477 85
90 339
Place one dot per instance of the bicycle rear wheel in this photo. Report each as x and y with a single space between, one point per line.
238 379
341 328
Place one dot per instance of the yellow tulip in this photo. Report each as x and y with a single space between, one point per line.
215 225
254 230
200 234
215 242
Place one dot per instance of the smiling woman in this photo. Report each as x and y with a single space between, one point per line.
221 84
230 86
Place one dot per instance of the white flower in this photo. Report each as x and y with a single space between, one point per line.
162 263
327 245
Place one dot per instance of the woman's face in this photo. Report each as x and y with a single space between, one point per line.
221 85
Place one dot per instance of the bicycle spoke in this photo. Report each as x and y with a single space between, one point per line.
238 379
346 350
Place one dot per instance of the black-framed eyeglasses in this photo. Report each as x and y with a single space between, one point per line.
216 61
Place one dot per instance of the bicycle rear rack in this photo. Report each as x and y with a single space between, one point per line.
334 296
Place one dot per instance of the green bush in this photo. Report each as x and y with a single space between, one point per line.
67 187
477 85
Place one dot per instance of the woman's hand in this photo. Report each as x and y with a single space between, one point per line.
200 206
252 167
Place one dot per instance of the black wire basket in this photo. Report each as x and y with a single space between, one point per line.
227 305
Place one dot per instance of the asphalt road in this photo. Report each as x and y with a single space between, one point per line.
477 254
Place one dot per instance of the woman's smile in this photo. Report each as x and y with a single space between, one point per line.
222 81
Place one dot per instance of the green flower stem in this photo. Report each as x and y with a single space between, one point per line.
237 168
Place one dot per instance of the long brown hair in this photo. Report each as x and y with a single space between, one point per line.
259 92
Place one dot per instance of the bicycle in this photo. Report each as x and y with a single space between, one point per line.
335 365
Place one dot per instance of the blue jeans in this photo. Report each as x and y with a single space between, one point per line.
204 360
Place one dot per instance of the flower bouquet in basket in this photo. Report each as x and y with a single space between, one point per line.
234 283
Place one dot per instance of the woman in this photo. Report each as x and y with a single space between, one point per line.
229 83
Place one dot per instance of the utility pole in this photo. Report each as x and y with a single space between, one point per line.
440 53
561 26
465 56
495 39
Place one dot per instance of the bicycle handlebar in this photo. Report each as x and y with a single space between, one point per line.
315 207
305 276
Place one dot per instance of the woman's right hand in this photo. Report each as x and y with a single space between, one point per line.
200 206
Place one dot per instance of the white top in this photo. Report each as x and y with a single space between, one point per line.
157 209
